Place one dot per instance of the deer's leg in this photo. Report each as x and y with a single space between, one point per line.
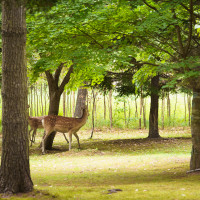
70 140
75 134
30 133
33 137
66 138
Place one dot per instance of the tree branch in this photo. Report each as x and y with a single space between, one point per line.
66 79
57 73
152 7
190 27
50 79
178 32
91 38
188 9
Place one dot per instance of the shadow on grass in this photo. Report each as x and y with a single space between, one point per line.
130 146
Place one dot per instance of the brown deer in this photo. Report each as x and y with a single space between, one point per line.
63 124
36 123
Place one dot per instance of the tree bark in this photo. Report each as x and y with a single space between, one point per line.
80 102
195 130
153 116
15 170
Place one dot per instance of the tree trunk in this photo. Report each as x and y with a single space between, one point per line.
104 103
195 130
73 103
175 111
185 105
169 108
53 110
144 113
189 110
153 116
110 108
125 120
41 95
80 102
93 110
64 104
141 105
15 170
163 111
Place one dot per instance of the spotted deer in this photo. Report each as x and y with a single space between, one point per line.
36 123
64 125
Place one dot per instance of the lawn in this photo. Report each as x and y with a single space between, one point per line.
115 164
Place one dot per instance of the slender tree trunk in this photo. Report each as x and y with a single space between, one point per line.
153 116
110 108
104 103
64 103
141 105
68 105
189 110
168 108
93 113
15 170
125 119
31 102
45 100
136 109
185 105
42 100
73 103
163 112
35 102
175 111
129 113
195 130
144 113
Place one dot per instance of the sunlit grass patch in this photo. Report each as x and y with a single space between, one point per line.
115 165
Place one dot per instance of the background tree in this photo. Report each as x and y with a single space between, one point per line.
15 171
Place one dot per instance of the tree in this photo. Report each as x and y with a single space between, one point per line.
169 28
15 171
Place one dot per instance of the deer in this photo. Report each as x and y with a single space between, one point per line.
36 123
70 125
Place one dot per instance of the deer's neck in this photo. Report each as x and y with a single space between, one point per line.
84 116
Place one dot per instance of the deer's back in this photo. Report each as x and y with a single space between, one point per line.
35 122
61 124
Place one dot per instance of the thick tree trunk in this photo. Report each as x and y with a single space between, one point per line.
53 110
195 130
15 170
80 102
153 116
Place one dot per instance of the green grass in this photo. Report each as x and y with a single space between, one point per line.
115 159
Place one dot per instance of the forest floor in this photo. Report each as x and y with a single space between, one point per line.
115 164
